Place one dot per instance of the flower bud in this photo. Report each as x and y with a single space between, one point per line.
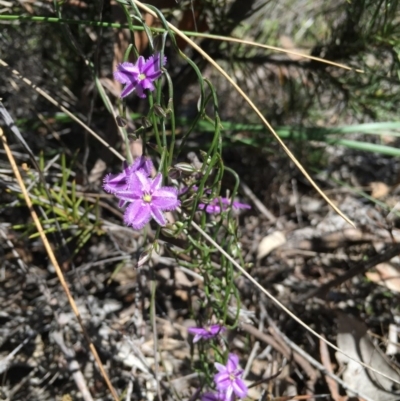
159 111
121 122
185 167
144 258
146 123
174 174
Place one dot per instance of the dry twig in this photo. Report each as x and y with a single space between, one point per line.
73 366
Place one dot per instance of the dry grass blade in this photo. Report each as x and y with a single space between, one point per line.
5 362
73 366
62 108
332 384
254 107
276 49
54 261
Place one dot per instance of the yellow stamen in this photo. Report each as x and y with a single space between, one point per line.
142 77
147 198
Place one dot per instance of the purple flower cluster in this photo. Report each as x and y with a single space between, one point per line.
221 204
228 381
206 333
146 197
218 204
139 76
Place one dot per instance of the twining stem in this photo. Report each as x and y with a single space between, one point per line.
278 303
179 33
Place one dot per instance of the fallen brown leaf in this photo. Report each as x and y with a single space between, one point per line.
386 275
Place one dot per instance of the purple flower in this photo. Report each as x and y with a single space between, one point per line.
229 379
215 205
221 396
140 75
147 200
113 183
206 333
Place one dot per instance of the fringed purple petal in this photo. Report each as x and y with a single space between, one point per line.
115 182
129 195
206 333
210 397
125 73
198 333
197 330
197 338
215 329
166 198
137 214
158 215
137 164
129 88
222 380
228 393
152 68
233 362
140 92
142 163
154 75
221 368
220 396
239 387
238 205
148 166
156 184
141 64
147 84
139 181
